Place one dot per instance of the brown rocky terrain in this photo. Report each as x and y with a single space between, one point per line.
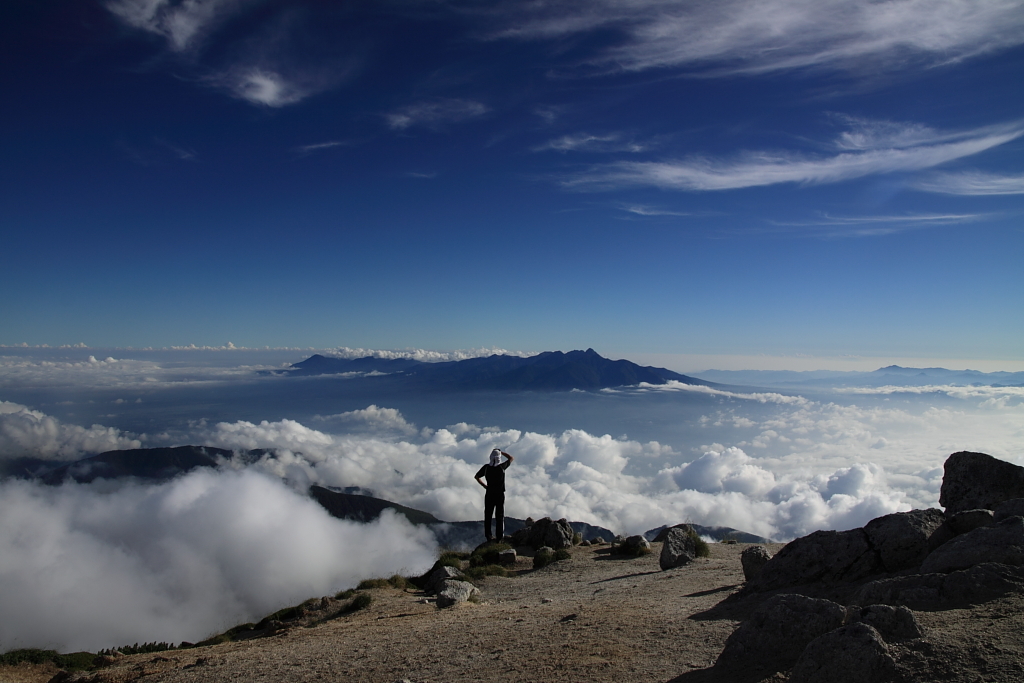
594 617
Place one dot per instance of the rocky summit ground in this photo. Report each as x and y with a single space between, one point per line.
594 617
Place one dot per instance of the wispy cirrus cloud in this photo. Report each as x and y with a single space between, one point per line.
871 226
868 149
318 146
262 64
586 142
183 24
758 36
262 87
642 210
435 113
975 183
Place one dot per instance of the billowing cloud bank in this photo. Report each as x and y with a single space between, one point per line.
89 566
30 433
84 568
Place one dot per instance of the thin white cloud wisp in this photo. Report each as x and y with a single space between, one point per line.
759 36
862 156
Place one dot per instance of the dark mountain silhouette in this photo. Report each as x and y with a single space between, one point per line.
158 464
548 371
364 508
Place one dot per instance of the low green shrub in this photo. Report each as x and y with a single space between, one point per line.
545 557
577 538
701 546
450 558
75 661
482 570
345 594
136 649
489 554
369 584
360 601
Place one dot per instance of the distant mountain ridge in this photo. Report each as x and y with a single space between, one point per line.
548 371
892 375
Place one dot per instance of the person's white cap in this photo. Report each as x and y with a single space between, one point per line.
495 456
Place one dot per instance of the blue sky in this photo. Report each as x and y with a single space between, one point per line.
653 179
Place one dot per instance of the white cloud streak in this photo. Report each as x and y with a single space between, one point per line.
586 142
266 87
641 210
758 36
863 153
435 113
971 183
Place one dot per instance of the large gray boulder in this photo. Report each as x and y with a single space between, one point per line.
981 583
545 532
902 539
454 591
894 624
825 556
969 520
753 560
677 549
1002 543
436 578
855 653
778 631
660 537
976 480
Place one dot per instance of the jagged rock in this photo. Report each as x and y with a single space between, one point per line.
437 577
1008 508
753 560
779 630
895 624
584 544
902 539
660 538
636 543
677 549
543 532
851 654
597 540
969 520
507 557
827 556
973 586
976 480
1002 543
454 591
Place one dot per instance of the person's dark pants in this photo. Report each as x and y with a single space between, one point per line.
494 504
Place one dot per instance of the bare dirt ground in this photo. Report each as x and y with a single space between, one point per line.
594 617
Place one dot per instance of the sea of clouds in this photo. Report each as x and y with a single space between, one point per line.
108 563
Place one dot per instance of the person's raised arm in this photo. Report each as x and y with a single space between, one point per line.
510 458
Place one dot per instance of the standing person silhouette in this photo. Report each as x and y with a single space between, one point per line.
494 498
